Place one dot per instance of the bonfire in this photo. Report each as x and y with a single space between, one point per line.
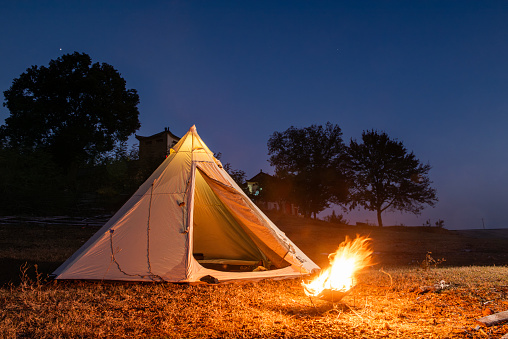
336 281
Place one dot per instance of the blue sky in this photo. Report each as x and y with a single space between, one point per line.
432 74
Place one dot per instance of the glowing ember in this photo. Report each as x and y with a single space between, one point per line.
350 257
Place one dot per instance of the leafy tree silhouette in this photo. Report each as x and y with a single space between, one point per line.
384 175
73 109
305 160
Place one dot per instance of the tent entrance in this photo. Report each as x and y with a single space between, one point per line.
219 240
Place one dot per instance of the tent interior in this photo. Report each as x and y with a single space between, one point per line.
221 241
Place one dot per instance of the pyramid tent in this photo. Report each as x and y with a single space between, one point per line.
189 220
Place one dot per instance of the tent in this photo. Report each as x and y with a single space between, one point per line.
189 221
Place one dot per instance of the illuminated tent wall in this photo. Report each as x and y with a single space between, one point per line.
187 216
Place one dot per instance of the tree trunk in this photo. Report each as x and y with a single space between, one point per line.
379 220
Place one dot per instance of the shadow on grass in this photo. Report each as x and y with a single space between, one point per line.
307 308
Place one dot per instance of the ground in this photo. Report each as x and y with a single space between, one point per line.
409 293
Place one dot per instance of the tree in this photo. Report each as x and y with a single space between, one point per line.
336 219
73 109
238 176
383 175
32 184
304 159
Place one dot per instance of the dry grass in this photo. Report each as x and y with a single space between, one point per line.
385 303
382 305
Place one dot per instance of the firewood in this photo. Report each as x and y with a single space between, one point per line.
487 311
494 319
436 288
333 295
425 289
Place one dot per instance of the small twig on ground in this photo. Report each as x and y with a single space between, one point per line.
383 271
312 303
358 315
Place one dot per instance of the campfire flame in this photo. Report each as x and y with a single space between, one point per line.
350 257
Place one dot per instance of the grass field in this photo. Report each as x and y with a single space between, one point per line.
397 298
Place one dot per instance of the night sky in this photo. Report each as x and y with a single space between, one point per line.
432 74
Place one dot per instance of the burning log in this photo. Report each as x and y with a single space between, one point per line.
332 295
336 281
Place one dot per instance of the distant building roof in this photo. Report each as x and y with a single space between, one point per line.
166 131
156 146
261 176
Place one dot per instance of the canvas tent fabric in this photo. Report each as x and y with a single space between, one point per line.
187 215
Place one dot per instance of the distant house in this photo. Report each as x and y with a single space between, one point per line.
256 183
157 146
262 189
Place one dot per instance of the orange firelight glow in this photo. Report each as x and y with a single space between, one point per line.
350 257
